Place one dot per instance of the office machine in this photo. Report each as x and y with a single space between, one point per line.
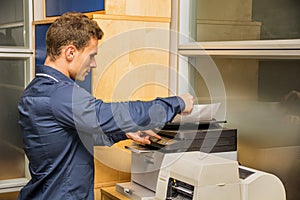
196 176
205 136
195 161
201 176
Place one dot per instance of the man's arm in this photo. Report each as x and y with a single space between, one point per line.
76 108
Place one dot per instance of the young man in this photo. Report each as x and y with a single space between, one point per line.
61 122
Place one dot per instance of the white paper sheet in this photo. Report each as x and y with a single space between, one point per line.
201 112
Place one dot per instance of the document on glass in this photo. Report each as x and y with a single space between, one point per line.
201 112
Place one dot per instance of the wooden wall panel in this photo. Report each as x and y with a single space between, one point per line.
158 8
133 60
132 64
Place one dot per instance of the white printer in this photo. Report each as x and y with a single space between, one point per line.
197 176
201 176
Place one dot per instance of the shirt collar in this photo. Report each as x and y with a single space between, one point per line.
50 71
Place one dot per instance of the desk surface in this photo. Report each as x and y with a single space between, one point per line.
110 193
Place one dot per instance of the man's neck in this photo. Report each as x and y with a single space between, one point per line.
59 65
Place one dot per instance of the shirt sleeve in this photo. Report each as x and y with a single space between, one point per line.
108 122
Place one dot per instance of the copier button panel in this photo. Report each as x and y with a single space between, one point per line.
163 141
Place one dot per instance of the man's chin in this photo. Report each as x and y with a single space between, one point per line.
81 78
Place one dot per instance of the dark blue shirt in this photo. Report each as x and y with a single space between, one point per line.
61 122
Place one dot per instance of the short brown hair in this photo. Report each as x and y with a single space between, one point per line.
71 28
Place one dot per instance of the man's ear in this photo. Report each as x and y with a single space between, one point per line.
70 52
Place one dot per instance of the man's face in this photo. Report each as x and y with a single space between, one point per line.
84 61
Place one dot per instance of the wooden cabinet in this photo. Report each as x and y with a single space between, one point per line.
112 165
150 8
132 64
133 58
134 54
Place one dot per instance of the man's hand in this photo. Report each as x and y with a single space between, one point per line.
189 103
142 136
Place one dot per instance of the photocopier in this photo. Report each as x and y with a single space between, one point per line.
196 161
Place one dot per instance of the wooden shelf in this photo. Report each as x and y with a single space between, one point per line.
132 18
101 15
49 20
